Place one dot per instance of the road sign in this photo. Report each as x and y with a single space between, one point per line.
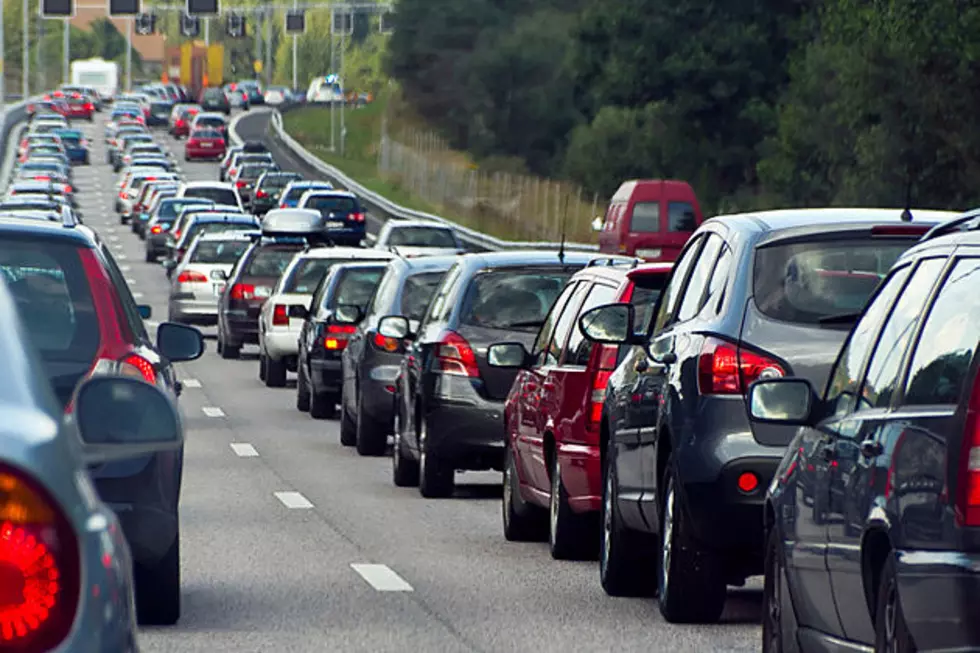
295 21
257 66
57 8
125 7
202 7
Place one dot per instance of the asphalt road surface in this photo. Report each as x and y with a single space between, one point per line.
277 519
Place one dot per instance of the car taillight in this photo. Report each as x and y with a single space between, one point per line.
727 369
179 123
336 336
606 363
39 570
967 507
356 217
279 315
122 195
89 106
261 193
454 356
240 184
242 291
138 367
231 173
190 276
42 178
384 343
156 229
192 141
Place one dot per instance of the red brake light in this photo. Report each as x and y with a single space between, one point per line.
190 276
726 369
156 229
454 356
279 315
134 365
899 230
337 335
192 141
967 508
179 123
260 193
239 184
384 343
605 357
231 173
357 217
242 291
39 574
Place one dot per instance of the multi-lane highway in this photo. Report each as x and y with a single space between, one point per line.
291 542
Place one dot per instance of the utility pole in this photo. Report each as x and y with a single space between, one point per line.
26 63
66 51
295 48
129 54
257 42
41 73
3 90
333 24
343 89
207 30
267 66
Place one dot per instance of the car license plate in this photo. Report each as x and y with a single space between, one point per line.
207 144
262 291
335 225
218 289
649 253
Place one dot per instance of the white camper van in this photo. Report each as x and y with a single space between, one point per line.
98 73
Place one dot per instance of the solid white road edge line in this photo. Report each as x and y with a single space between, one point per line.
293 500
212 411
244 450
381 577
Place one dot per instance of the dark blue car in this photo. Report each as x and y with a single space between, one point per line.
344 217
76 145
295 190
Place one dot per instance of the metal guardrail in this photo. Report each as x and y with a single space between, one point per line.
13 115
383 206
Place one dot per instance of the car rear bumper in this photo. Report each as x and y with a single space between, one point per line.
463 426
938 590
240 329
348 235
325 375
280 343
194 311
205 152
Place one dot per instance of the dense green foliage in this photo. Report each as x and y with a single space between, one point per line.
756 102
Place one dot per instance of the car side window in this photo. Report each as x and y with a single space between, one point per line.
697 286
844 378
565 323
440 306
130 309
941 362
541 343
579 347
677 279
884 368
714 298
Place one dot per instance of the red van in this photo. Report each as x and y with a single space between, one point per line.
650 219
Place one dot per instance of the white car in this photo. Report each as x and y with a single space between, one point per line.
131 190
280 321
216 191
275 96
200 277
419 238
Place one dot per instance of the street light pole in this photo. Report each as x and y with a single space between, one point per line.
295 48
26 65
3 90
129 54
66 51
267 65
207 31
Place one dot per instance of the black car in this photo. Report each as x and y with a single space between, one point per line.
268 187
247 177
215 99
159 113
160 221
450 401
887 552
253 92
752 296
370 361
74 302
338 303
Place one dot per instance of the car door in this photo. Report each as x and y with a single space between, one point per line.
803 524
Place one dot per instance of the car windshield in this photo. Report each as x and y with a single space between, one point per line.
276 181
418 292
216 194
270 261
517 299
219 251
421 237
356 287
807 282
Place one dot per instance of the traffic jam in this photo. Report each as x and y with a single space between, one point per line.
787 398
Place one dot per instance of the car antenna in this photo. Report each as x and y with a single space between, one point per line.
564 223
907 213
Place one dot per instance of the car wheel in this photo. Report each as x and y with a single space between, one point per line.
302 391
323 406
186 157
228 351
150 257
275 373
404 470
262 367
133 227
891 629
571 535
692 588
627 562
158 589
436 479
775 638
348 429
372 434
522 521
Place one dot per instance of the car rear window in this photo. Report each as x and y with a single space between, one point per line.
295 193
215 227
71 140
214 94
517 299
216 195
356 287
51 291
308 273
252 172
327 203
211 121
219 251
422 237
277 181
807 282
272 262
206 133
418 293
170 210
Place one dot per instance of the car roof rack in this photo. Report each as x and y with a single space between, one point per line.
969 221
614 262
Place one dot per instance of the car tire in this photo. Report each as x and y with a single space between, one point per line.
262 367
692 586
778 635
404 470
891 629
436 477
228 352
571 535
627 559
158 589
523 522
133 226
348 429
302 390
371 437
150 257
323 406
186 157
275 373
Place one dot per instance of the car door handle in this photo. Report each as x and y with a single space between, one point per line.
871 449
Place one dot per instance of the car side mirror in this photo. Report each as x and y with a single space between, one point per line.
611 324
298 311
179 343
347 314
146 312
394 326
597 223
782 401
507 355
169 264
121 417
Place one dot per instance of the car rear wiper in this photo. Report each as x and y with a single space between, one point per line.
518 325
840 318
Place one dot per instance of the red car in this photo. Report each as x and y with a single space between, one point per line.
181 121
204 144
80 107
553 478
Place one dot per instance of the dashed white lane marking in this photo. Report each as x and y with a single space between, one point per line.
131 281
125 268
244 450
293 500
111 230
137 295
121 257
114 239
191 383
212 411
382 577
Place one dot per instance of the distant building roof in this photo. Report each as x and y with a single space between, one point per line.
150 47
